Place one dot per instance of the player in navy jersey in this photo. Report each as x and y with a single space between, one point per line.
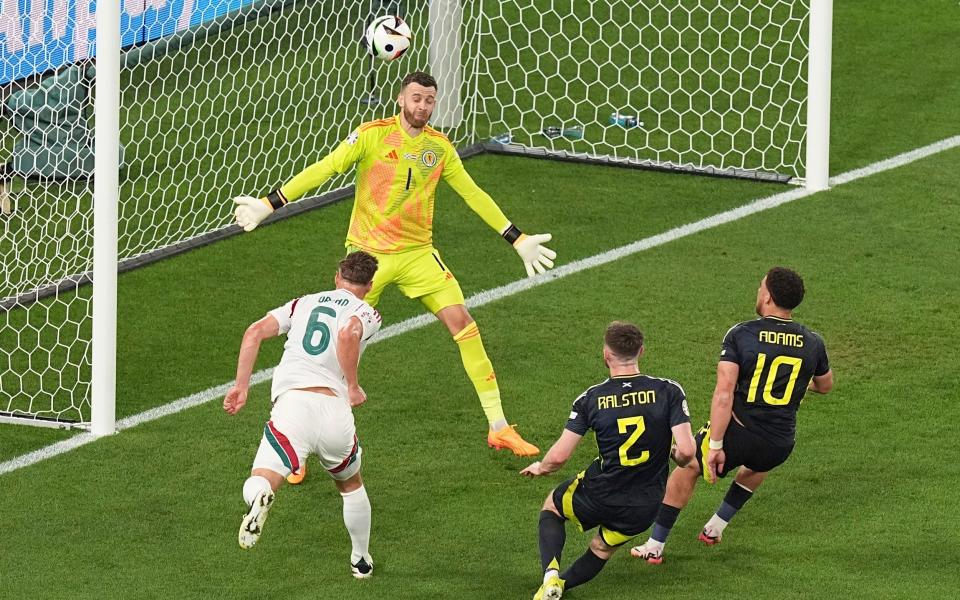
766 366
634 417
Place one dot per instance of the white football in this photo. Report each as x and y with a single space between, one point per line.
388 37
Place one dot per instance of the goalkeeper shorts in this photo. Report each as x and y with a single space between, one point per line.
419 273
304 423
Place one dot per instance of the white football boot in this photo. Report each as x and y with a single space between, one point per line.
650 551
252 525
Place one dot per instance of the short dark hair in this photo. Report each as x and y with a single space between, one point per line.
624 339
785 287
418 77
358 267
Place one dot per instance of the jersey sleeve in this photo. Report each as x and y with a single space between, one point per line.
455 174
284 314
340 160
728 349
679 412
370 320
578 421
823 363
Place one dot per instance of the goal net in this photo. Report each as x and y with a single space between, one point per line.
228 97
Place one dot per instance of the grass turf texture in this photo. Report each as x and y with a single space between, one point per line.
450 519
869 471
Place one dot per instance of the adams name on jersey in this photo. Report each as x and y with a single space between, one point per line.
777 358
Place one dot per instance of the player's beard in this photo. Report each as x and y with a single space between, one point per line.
411 118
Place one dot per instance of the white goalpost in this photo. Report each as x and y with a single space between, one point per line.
127 151
818 94
106 199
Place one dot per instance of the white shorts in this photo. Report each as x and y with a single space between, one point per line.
303 423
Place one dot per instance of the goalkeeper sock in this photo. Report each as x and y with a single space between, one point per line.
356 516
586 568
253 486
480 370
553 534
666 519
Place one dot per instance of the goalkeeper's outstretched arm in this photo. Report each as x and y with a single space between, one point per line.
536 257
250 211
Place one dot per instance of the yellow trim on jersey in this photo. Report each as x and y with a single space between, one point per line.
567 500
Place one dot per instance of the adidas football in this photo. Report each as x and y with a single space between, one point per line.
388 37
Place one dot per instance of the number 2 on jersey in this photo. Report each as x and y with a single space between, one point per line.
768 397
315 325
622 425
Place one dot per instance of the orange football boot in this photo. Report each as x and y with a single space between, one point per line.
509 438
296 477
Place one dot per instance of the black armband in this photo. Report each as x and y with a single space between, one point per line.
277 199
512 234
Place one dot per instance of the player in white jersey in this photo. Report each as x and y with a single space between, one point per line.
315 387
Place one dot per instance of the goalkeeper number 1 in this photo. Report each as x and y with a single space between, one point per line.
400 161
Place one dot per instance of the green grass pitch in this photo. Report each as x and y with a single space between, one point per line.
865 508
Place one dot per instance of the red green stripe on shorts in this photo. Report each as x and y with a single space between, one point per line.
349 459
282 445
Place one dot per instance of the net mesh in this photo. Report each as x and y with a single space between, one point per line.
237 102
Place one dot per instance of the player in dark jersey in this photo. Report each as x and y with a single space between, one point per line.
634 417
766 366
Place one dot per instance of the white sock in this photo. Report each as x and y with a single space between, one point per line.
356 516
550 573
253 486
498 424
715 526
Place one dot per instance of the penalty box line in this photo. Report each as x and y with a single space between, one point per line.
505 291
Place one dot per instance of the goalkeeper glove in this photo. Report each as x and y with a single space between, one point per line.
536 257
251 211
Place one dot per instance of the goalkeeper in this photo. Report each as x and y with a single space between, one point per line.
401 160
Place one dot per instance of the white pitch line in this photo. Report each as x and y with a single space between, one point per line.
504 291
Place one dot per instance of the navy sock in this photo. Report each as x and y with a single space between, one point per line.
582 571
666 519
736 497
553 534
